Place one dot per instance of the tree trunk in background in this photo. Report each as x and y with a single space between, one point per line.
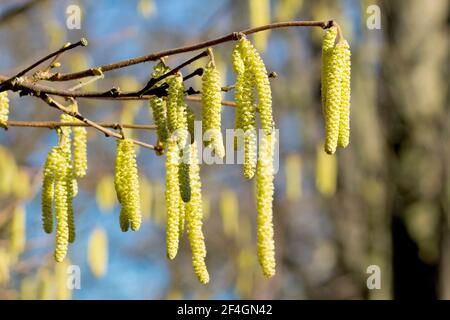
413 107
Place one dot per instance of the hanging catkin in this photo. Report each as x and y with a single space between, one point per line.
79 150
173 199
265 189
194 217
176 109
4 109
327 47
61 207
48 190
158 106
344 114
333 97
253 61
127 185
212 108
245 118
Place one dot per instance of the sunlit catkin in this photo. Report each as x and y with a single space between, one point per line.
329 38
176 109
333 97
4 109
265 189
239 69
194 217
212 108
127 185
61 206
98 252
254 62
344 115
79 151
173 199
48 184
158 106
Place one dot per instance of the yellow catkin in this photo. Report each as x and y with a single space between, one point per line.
4 109
191 123
333 97
229 211
328 40
245 117
127 185
98 252
326 173
79 151
344 115
61 206
48 190
176 109
293 173
158 106
212 108
265 189
194 217
181 219
105 193
254 62
184 176
18 231
173 199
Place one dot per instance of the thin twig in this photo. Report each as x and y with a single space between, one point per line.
57 124
154 56
224 102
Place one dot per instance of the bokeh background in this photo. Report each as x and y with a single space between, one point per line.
384 201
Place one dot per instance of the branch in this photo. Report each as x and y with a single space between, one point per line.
153 56
57 124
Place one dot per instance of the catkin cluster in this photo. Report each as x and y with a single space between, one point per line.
4 109
126 183
212 108
336 91
253 93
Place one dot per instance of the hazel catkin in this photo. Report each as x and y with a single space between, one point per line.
158 106
344 110
327 47
194 216
264 196
48 190
212 108
79 151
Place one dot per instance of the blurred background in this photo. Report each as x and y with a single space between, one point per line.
383 201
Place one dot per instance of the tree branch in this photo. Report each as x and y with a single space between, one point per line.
58 124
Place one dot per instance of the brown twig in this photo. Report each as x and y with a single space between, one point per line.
57 124
154 56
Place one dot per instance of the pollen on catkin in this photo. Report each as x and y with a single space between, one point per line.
184 176
48 184
212 108
79 151
194 217
61 206
333 97
265 189
328 41
239 69
4 109
127 185
255 64
176 109
158 106
173 198
344 114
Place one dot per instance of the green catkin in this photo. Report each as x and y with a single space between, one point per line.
183 176
212 108
79 151
265 190
48 184
176 109
239 69
119 185
158 106
128 185
190 122
194 217
4 109
61 207
344 114
181 219
173 199
333 97
253 61
327 47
